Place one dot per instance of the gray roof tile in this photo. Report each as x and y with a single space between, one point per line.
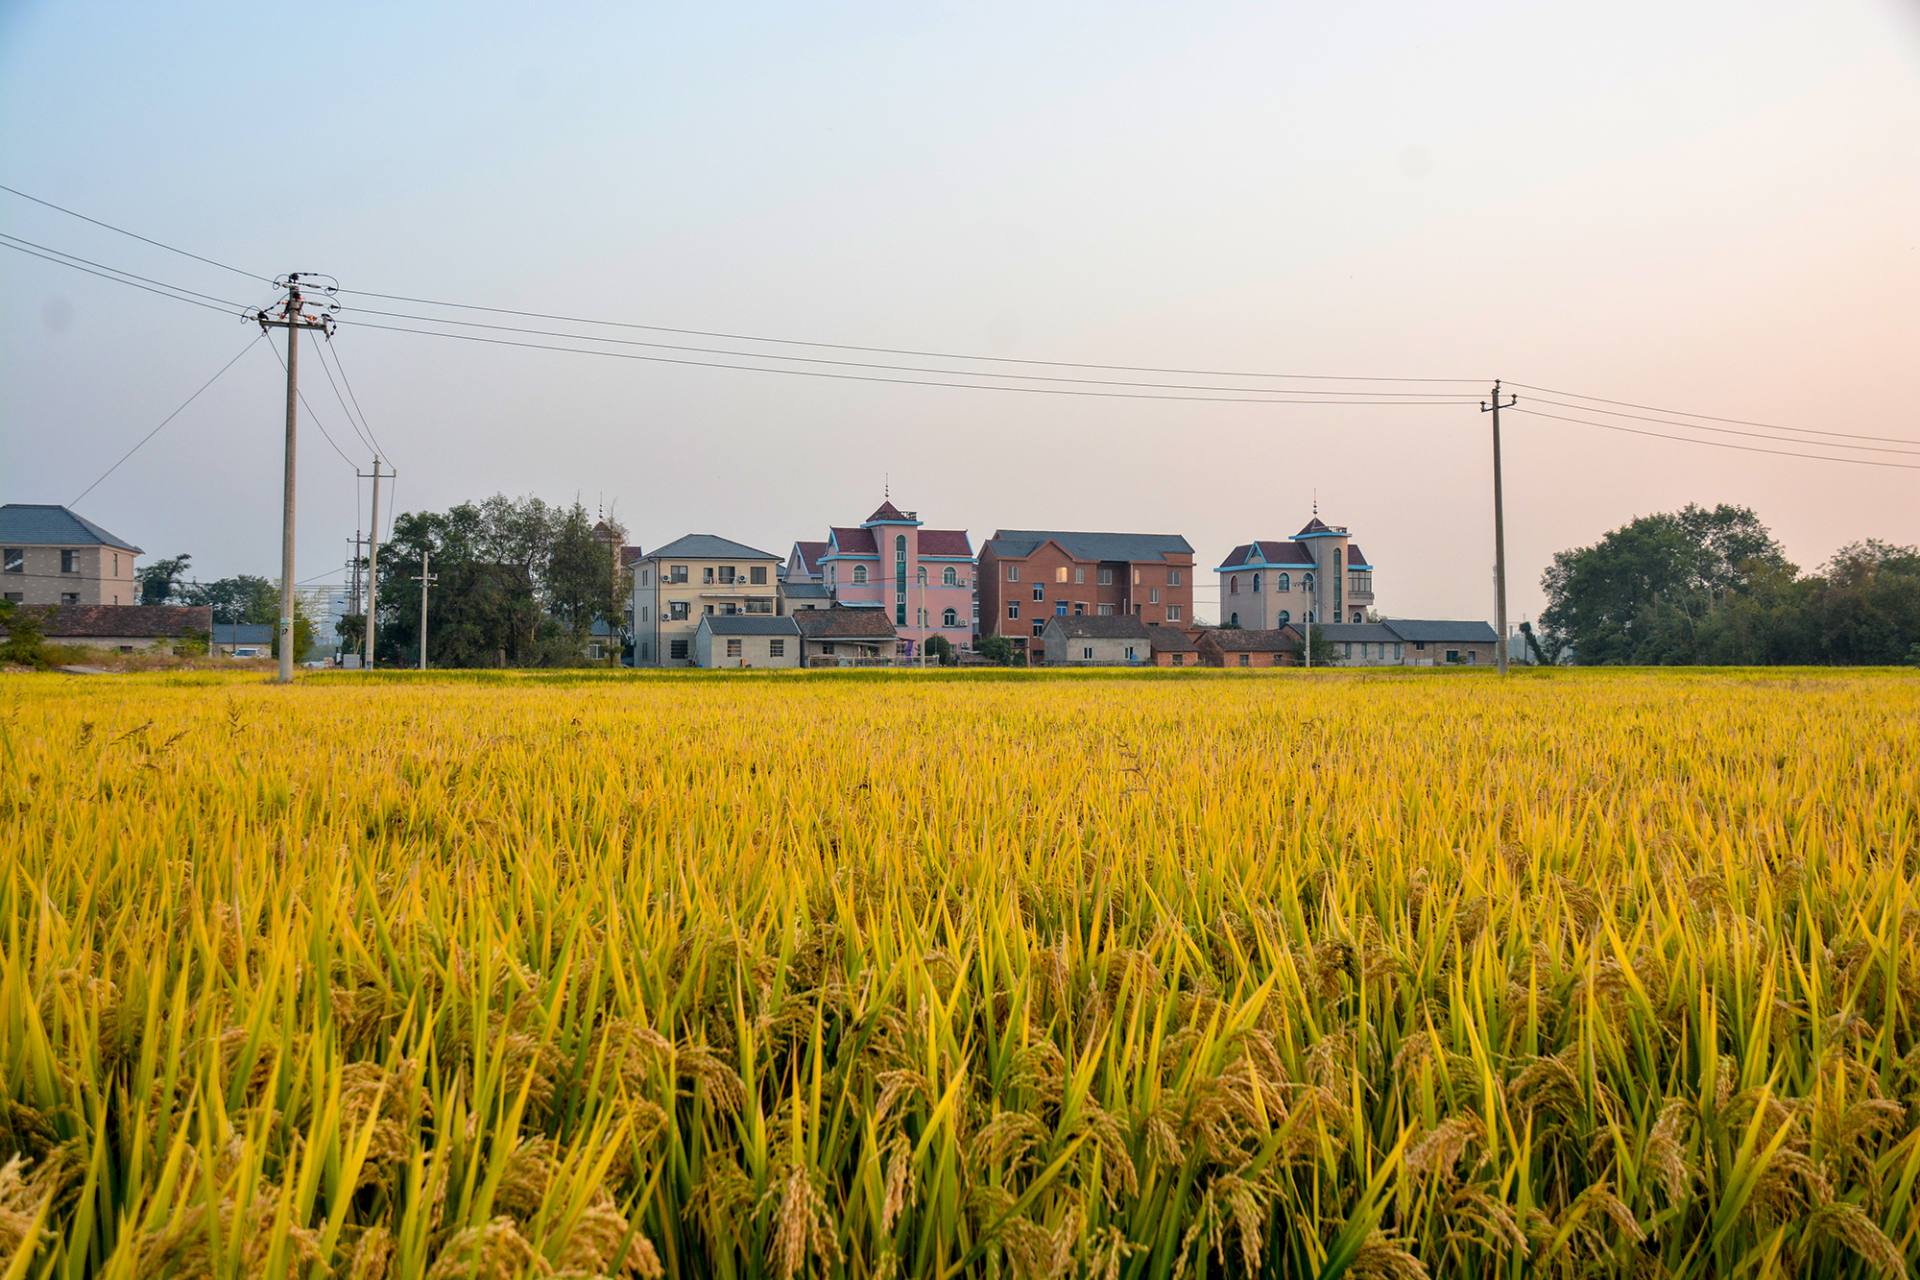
45 524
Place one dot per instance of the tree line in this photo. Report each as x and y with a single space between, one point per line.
1713 586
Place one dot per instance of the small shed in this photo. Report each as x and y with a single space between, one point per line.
746 640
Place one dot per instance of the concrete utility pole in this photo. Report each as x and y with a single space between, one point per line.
1499 528
425 580
293 320
373 562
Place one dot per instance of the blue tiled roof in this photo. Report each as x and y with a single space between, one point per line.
43 524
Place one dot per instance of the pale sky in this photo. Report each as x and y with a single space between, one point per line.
1712 206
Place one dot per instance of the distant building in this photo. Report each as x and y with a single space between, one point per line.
1028 577
1239 647
1318 575
50 555
127 628
1173 647
243 639
694 577
1082 640
746 640
842 637
1359 644
799 597
1430 642
921 578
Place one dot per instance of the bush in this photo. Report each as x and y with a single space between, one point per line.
997 649
23 643
941 650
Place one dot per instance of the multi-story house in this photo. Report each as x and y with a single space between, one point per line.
700 575
1318 575
50 555
922 578
1028 576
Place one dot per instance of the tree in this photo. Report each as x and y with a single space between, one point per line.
160 581
940 649
24 636
1324 654
244 598
997 649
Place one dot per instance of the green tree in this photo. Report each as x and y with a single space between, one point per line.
997 649
243 598
160 582
24 637
940 649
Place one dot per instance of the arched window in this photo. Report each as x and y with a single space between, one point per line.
1256 584
1306 582
1234 621
948 617
1233 584
1357 617
1283 583
859 575
921 576
950 577
1285 617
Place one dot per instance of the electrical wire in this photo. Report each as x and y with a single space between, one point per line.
316 417
321 351
902 368
1728 431
4 244
116 270
1721 444
158 244
890 351
341 366
1682 413
856 377
169 418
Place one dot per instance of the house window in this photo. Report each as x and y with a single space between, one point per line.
1087 653
733 648
1234 621
1179 659
757 575
1173 577
949 577
1060 574
1130 653
1013 573
646 577
676 610
1285 616
827 647
900 579
1106 577
776 648
727 609
1243 660
116 572
69 562
759 606
1173 613
1306 582
1079 576
920 575
1346 648
677 573
16 560
1356 616
1105 610
1233 584
1153 595
1079 609
1419 646
920 617
859 575
1038 627
15 597
729 575
69 597
1136 577
706 575
1256 584
1283 582
646 650
1039 592
949 618
677 650
1013 610
1059 608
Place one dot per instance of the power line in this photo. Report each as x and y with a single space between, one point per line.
164 421
901 368
316 421
158 244
116 270
341 400
4 244
1682 413
891 351
856 377
1731 431
340 365
1722 444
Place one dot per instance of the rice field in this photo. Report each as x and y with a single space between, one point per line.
1142 975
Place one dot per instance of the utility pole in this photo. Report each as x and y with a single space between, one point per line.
1499 528
425 580
373 561
293 320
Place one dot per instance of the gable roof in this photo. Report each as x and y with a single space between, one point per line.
1017 544
810 553
1239 640
122 621
1441 631
1098 628
748 624
46 524
945 542
887 511
1171 640
805 589
1281 553
852 542
708 546
1356 558
630 555
1315 526
845 624
1356 632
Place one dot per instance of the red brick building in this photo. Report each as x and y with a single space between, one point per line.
1027 576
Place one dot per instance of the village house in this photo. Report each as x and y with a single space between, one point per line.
1028 577
1433 642
1318 575
732 640
1240 647
50 555
1173 647
840 637
127 628
1357 644
243 639
921 578
694 577
1082 640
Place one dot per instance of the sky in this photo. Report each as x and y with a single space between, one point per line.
1711 207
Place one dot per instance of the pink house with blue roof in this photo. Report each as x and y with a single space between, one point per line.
922 577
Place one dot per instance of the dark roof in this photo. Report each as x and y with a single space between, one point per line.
851 542
122 621
1313 526
805 589
707 546
1356 558
1355 632
1239 640
887 511
1278 552
845 624
45 524
810 553
1171 640
1442 631
243 633
630 556
1017 544
749 624
1098 628
945 542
